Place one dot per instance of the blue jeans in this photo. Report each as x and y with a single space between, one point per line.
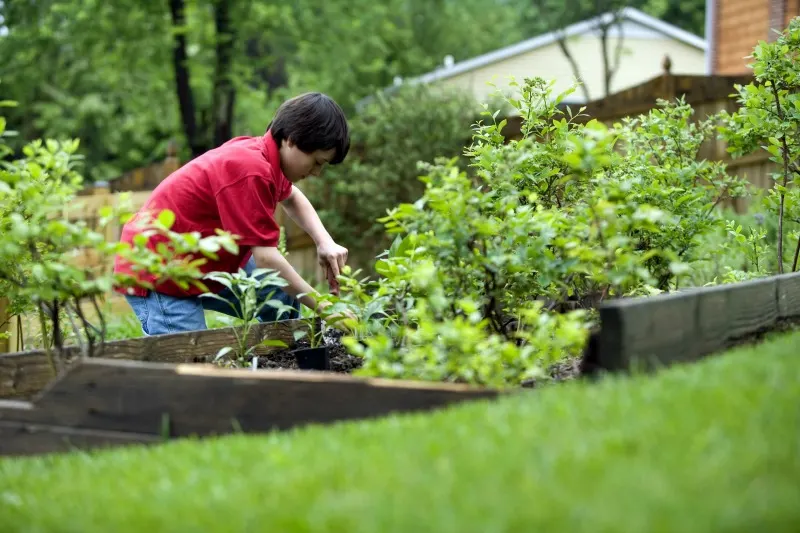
160 313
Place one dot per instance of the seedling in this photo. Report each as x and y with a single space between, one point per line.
247 307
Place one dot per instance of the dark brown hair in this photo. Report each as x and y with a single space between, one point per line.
312 121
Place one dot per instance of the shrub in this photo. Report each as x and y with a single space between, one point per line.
768 117
38 271
495 274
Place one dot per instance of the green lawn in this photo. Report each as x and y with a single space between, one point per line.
709 447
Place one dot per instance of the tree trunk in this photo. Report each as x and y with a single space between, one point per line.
224 91
182 84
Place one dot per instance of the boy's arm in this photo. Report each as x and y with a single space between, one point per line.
330 254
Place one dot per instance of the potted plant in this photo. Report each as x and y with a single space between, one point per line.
316 356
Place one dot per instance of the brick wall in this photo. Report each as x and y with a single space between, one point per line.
740 24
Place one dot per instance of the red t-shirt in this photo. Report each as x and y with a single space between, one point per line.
235 187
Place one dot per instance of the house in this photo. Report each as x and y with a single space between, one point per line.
644 40
734 28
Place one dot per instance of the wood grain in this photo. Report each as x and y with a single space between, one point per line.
686 325
21 439
752 306
789 295
129 396
647 333
24 374
712 318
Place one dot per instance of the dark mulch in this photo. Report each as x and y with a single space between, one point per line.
340 360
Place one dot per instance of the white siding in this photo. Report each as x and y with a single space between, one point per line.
641 61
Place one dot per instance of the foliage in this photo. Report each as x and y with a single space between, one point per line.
40 243
206 70
390 136
769 118
495 274
247 291
372 42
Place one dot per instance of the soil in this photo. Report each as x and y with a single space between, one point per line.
340 360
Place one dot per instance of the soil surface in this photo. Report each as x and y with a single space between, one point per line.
340 359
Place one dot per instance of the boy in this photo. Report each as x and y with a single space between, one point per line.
236 187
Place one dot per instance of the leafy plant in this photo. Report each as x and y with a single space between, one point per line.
390 136
247 291
496 270
39 270
768 117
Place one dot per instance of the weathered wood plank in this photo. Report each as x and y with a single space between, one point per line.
686 325
712 318
23 374
129 396
21 438
789 295
752 306
647 332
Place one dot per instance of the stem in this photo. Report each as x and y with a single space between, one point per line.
87 327
45 339
796 254
103 329
785 150
81 344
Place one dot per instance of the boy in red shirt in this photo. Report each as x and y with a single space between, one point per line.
236 187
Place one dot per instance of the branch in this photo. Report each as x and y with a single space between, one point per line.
562 43
81 344
785 150
103 328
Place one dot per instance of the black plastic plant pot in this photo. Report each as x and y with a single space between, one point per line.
313 358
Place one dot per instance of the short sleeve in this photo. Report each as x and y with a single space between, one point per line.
247 207
285 187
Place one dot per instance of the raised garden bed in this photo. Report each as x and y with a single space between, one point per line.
144 389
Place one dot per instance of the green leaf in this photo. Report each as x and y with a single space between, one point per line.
274 342
166 218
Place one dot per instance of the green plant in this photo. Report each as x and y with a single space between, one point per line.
249 303
496 271
38 271
769 118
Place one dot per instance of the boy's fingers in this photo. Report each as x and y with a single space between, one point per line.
334 266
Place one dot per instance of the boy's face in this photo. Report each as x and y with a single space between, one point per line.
298 165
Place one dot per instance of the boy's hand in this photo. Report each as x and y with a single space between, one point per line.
333 283
332 256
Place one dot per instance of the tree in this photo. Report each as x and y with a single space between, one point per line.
127 76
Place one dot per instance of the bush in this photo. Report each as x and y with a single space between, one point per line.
495 274
769 117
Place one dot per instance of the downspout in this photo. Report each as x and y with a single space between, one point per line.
710 35
777 18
